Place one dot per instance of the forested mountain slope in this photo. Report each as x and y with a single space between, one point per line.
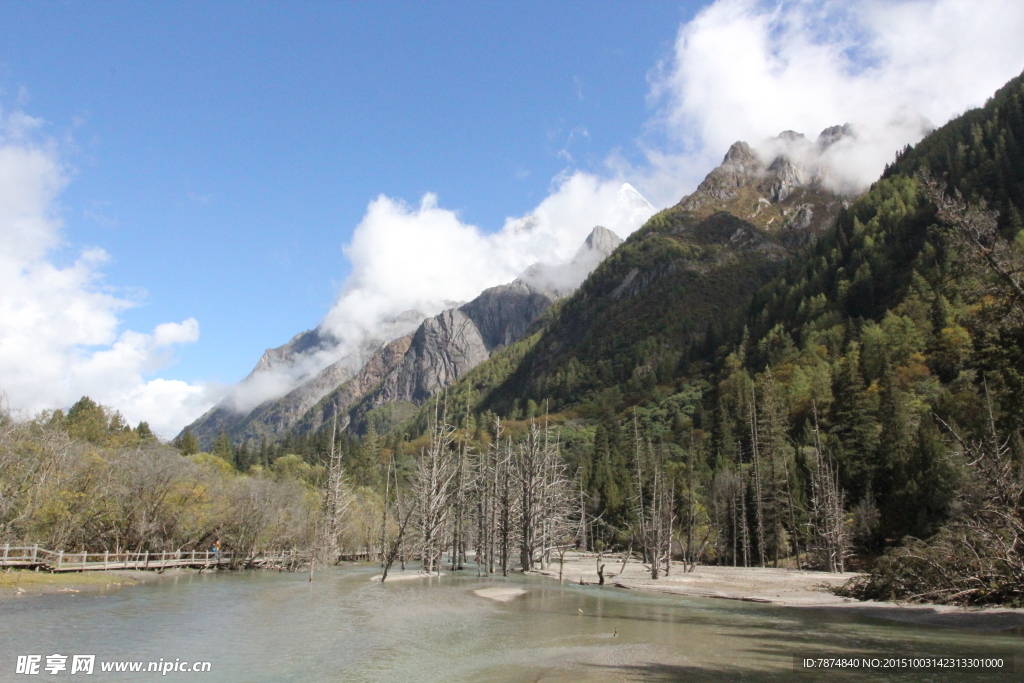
677 288
751 362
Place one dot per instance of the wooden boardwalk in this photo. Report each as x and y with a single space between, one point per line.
34 557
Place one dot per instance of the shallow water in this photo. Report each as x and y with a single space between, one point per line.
271 626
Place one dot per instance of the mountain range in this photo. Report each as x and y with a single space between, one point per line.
740 224
762 267
403 363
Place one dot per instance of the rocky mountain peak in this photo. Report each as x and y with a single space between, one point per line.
740 156
833 134
769 174
556 281
302 343
600 239
782 176
790 136
740 167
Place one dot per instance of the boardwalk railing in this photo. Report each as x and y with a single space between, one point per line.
58 561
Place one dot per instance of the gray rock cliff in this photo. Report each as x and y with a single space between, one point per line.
407 369
447 346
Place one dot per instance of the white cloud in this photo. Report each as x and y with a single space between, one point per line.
424 257
420 260
59 337
747 70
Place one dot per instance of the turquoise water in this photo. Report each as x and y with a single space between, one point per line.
271 626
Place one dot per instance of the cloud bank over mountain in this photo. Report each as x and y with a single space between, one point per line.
425 257
421 260
747 70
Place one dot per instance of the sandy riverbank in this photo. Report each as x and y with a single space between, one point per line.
24 583
784 587
754 584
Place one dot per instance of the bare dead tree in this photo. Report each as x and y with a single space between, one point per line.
394 549
559 508
480 500
570 531
460 503
756 465
653 506
529 467
384 509
486 488
506 504
563 510
827 508
432 490
339 497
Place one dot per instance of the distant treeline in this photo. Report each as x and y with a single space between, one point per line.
85 480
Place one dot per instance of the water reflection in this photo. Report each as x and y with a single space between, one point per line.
269 626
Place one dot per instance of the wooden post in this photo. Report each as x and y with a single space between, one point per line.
35 552
7 550
106 556
60 558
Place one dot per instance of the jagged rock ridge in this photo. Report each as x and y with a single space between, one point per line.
447 346
313 362
430 354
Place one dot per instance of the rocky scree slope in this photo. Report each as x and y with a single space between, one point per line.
300 361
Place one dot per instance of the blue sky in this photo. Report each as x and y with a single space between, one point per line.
224 152
183 185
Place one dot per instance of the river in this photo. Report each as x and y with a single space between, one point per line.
271 626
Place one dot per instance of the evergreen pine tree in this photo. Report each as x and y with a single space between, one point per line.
143 432
87 420
187 443
897 444
222 447
853 423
